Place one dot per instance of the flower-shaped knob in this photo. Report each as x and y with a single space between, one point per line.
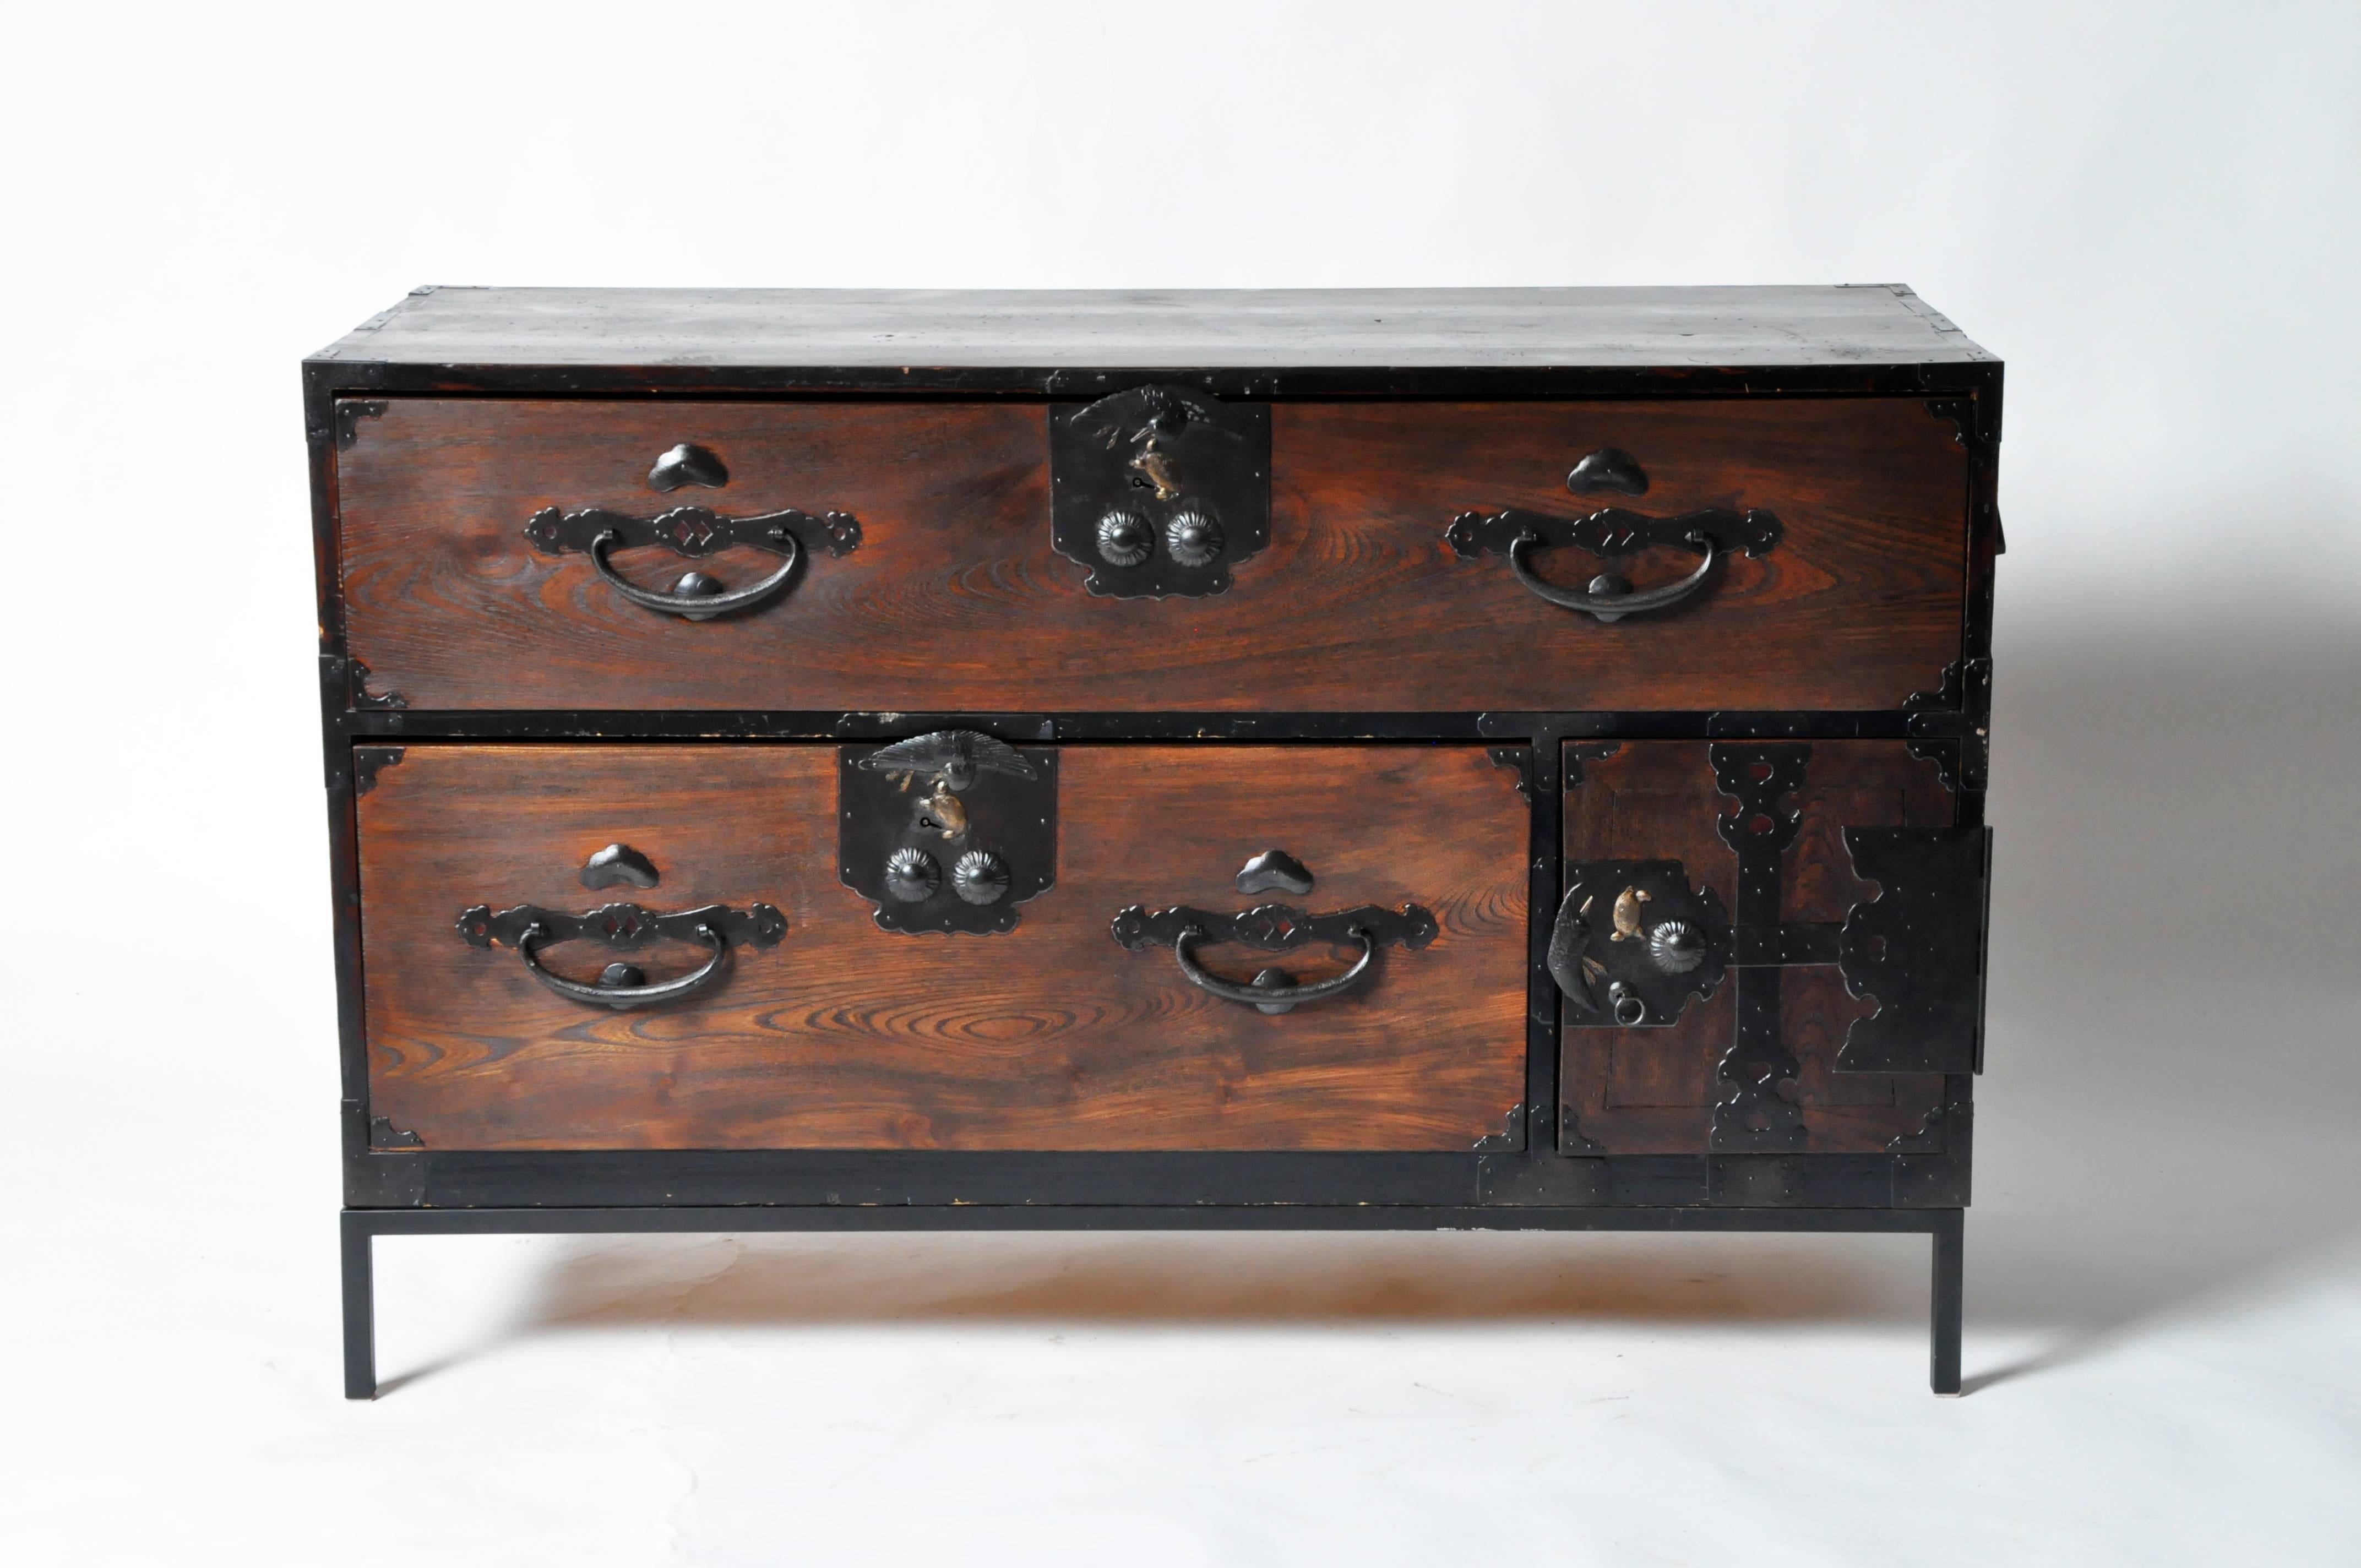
1125 538
1192 538
980 877
912 876
1676 947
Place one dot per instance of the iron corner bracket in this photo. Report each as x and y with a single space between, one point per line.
1511 1135
384 1135
349 413
1519 758
362 698
370 761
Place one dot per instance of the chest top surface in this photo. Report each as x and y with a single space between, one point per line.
1051 331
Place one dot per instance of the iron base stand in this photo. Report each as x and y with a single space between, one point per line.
360 1227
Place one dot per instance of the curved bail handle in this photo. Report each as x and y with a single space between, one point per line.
620 997
686 601
1268 993
1612 603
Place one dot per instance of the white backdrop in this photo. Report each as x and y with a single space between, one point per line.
2148 211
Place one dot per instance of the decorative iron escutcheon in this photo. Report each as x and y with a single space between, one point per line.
949 832
623 927
1612 533
1918 949
1634 942
1275 929
694 533
1159 491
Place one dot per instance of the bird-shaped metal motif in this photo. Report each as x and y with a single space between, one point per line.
1161 412
1149 420
952 758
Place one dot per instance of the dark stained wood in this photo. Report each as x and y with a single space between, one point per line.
908 332
846 1037
955 601
1652 1090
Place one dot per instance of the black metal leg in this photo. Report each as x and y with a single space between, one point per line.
1950 1281
361 1309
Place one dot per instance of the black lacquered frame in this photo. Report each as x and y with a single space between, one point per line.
1519 1178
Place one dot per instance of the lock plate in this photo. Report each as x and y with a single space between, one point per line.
1159 491
1634 942
948 831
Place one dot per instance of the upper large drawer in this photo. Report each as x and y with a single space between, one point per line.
944 592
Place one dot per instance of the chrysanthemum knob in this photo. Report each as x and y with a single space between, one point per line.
1125 538
1675 946
912 876
980 877
1192 538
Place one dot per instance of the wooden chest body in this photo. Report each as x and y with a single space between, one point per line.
1505 757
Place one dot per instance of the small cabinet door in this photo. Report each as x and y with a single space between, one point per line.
1763 947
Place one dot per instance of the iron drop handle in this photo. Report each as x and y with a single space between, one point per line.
1275 929
697 597
623 927
693 532
1272 991
615 988
1609 597
1612 533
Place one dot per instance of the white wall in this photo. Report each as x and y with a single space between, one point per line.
2149 211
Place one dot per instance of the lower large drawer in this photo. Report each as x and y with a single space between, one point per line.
839 1032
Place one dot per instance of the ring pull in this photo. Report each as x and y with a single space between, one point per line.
623 927
1273 992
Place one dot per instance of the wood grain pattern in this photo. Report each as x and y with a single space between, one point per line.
1052 1036
956 602
1653 1091
914 331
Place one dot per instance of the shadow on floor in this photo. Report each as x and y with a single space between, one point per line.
1153 1279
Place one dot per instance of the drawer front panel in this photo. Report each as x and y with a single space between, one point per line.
1757 1065
947 595
1051 1036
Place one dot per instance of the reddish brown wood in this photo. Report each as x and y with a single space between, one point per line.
956 602
1652 1090
1051 1037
